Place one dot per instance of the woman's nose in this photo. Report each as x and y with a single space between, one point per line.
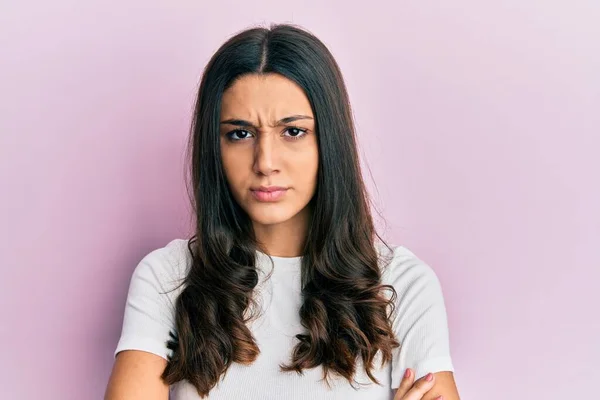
265 154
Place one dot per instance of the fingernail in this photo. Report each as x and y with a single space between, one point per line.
429 377
439 398
407 373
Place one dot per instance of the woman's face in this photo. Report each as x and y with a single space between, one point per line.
268 139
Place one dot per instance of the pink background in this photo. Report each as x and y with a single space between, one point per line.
479 121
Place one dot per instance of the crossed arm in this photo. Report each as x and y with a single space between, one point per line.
442 386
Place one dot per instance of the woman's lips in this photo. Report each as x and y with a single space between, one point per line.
275 195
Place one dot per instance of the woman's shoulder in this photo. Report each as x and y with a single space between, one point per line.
402 268
419 319
167 264
155 284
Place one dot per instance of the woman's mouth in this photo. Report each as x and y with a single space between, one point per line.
269 195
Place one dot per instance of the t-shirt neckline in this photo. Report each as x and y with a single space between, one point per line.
281 261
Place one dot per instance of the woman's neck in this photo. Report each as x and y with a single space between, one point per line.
285 239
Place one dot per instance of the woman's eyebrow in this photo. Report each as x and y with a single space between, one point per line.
286 120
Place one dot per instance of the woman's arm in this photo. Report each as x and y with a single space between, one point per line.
136 376
442 385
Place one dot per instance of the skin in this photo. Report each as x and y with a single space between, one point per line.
136 376
271 153
441 386
267 154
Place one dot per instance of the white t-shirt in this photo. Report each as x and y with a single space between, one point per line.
419 322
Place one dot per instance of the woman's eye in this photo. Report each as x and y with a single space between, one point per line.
296 132
240 133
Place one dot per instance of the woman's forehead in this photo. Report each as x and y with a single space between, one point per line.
269 96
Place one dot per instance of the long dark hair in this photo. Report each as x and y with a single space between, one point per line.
345 313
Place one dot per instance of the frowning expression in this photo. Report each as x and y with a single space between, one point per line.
268 140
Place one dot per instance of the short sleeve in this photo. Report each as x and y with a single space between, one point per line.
419 320
150 306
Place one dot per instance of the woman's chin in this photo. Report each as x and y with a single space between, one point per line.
270 216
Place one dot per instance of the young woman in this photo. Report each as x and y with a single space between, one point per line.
285 291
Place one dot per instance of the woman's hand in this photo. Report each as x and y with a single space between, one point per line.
410 390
